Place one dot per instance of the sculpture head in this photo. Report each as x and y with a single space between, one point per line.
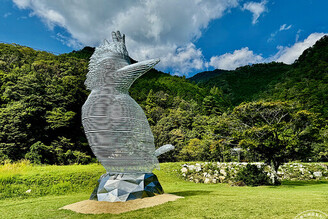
107 59
115 49
110 66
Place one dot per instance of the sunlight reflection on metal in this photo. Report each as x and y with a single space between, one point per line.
115 125
124 187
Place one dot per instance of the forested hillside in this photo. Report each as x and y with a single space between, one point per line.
205 76
307 81
41 99
265 107
244 83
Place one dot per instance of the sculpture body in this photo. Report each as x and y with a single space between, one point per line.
115 125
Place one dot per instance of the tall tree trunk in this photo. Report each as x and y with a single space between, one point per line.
274 169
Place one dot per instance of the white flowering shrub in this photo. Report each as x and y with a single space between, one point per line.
218 172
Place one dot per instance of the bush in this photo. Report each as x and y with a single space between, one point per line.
77 157
40 153
251 175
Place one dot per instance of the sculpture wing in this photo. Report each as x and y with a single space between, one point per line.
137 69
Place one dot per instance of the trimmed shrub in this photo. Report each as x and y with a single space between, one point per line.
251 175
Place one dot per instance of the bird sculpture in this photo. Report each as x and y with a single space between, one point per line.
116 127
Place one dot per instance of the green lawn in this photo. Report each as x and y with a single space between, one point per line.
201 200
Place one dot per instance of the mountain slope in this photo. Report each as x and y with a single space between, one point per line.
244 83
205 76
307 81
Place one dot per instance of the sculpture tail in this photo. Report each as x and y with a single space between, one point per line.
163 149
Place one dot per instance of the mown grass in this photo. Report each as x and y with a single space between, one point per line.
41 180
201 200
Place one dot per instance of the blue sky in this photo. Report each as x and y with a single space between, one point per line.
188 35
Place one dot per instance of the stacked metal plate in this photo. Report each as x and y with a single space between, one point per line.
124 187
116 127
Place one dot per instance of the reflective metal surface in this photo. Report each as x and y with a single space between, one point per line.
124 187
115 125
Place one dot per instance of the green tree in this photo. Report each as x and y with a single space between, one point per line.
215 103
192 151
41 153
320 151
277 131
14 128
58 118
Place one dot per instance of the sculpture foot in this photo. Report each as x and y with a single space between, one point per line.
126 186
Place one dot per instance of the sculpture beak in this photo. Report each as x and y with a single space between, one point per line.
152 62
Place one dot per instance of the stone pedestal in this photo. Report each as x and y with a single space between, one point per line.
126 186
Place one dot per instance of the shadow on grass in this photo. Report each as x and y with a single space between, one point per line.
304 183
192 193
292 184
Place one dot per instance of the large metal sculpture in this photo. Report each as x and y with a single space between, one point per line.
116 126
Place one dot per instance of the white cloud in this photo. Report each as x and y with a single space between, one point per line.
6 14
186 58
231 61
22 3
298 35
284 27
154 28
244 56
256 8
68 41
289 54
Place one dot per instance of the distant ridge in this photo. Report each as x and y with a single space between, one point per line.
245 83
206 75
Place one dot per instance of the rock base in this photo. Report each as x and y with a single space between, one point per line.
126 186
